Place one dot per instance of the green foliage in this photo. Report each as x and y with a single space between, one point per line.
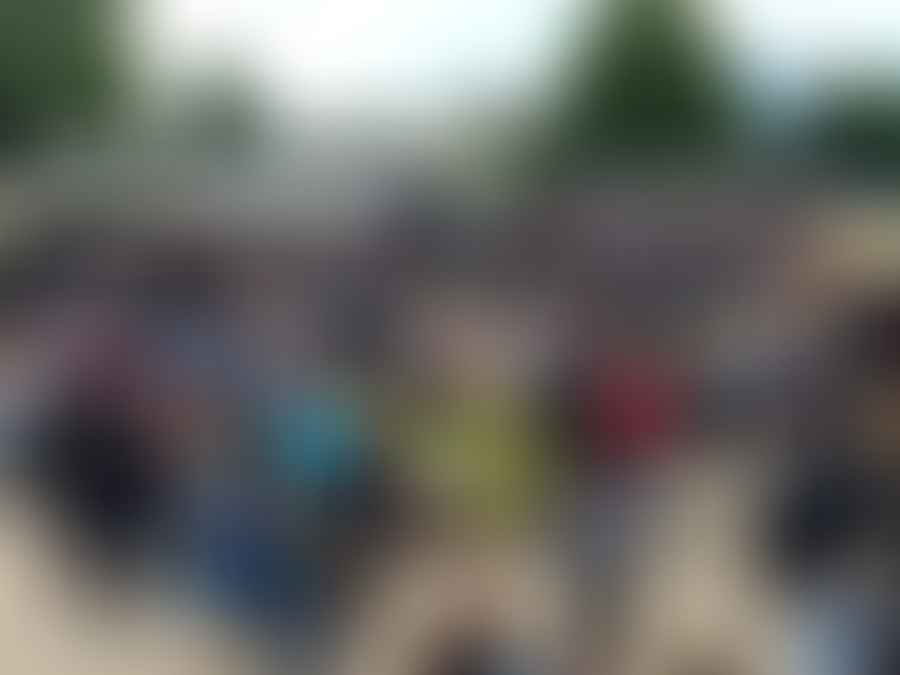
644 83
221 115
859 130
58 68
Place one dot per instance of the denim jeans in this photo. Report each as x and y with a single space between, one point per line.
835 633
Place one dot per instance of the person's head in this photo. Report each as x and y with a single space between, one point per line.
469 648
192 410
872 356
481 339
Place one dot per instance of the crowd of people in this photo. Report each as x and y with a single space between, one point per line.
274 426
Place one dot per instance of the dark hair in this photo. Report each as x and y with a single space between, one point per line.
872 342
865 348
466 650
830 495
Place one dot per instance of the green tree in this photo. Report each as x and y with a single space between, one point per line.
221 115
644 81
59 69
858 130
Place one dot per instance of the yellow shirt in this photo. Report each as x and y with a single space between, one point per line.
481 459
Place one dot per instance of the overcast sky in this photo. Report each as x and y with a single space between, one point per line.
421 53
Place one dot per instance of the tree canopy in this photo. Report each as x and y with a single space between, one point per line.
644 81
58 68
858 130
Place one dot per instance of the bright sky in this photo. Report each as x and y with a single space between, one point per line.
408 53
352 52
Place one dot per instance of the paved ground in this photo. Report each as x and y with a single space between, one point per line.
700 600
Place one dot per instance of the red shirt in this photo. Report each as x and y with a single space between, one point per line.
635 407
